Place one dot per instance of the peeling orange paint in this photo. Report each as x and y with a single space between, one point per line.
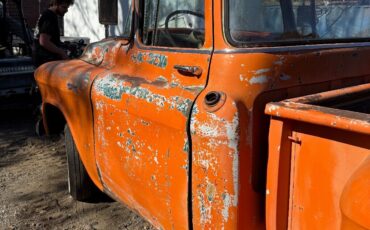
190 152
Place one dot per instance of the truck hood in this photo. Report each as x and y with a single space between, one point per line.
77 73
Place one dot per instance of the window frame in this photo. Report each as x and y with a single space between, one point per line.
253 44
139 24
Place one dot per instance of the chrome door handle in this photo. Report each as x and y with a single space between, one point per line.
189 70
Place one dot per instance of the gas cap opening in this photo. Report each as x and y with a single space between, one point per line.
212 98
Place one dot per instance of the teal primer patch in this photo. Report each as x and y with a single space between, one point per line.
155 59
186 146
114 88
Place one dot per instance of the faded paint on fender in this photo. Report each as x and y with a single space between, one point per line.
80 83
66 85
102 53
75 76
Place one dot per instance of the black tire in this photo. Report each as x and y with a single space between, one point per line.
39 128
80 186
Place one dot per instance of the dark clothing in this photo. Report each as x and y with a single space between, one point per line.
3 32
48 24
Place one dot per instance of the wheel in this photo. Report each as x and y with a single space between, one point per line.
39 128
80 186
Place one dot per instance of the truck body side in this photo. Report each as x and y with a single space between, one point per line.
149 137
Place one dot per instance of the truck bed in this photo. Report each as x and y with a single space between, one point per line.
319 161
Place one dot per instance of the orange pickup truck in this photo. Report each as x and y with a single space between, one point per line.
170 117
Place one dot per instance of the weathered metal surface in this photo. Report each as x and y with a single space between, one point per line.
319 159
215 165
66 86
249 82
146 130
102 53
141 109
301 109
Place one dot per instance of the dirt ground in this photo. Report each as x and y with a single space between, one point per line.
33 184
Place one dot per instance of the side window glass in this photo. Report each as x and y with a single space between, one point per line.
173 23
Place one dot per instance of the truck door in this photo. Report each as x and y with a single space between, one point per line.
142 108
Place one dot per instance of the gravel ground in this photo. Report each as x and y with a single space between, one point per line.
33 184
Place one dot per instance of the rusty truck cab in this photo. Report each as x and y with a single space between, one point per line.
170 119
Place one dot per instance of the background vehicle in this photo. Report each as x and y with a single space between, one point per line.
169 118
17 84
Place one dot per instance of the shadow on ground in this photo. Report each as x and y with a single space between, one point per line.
33 184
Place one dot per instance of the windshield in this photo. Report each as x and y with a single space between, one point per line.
268 21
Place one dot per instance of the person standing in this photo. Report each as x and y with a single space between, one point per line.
48 46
